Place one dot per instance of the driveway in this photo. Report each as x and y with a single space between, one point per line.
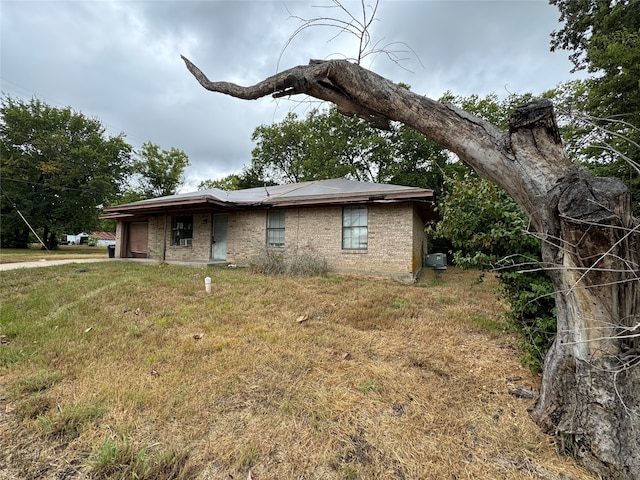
48 263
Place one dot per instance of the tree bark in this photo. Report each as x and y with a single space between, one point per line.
590 393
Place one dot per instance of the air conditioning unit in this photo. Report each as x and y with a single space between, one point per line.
185 242
437 261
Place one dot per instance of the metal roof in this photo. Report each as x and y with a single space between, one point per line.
104 235
316 192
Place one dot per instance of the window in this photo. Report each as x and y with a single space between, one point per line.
275 228
182 231
354 228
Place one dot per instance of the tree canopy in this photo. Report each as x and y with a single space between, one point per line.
58 168
325 144
247 178
604 39
160 172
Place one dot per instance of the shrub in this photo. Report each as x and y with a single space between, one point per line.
488 230
271 262
307 264
533 313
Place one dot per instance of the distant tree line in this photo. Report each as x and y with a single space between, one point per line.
59 168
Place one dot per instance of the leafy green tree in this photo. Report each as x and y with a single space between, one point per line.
604 39
58 167
248 178
326 144
323 145
418 161
230 182
281 150
161 172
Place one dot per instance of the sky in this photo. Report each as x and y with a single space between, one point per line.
119 61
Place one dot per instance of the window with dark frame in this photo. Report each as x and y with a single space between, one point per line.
354 228
182 231
275 228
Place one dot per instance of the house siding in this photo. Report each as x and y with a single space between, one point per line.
198 251
396 238
246 235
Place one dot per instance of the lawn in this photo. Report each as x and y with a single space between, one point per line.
126 370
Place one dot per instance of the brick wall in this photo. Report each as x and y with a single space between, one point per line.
200 249
395 235
420 245
246 235
396 239
156 236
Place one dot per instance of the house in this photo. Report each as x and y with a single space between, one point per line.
103 239
357 227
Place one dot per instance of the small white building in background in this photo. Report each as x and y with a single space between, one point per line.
103 239
100 239
79 239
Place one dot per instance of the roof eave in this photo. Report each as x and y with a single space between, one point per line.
124 211
363 198
199 201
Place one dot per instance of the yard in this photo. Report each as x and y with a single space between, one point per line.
126 370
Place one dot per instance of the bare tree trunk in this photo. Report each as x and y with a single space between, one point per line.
590 395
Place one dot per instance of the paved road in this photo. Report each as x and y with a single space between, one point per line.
48 263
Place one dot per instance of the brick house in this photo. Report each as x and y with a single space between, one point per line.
357 227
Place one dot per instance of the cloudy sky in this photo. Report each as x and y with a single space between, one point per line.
119 61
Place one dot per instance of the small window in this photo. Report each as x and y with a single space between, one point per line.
275 228
354 228
182 231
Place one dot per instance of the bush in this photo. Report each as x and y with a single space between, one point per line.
271 262
533 313
307 264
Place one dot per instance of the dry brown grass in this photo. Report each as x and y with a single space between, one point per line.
15 255
383 380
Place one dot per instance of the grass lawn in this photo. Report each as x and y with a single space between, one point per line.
126 370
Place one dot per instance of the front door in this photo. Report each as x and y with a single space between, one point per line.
219 238
138 240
